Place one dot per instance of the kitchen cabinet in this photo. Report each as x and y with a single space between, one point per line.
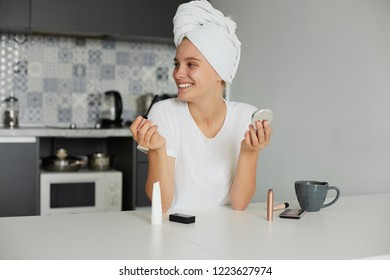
141 173
19 182
15 15
121 149
85 17
147 19
22 148
152 18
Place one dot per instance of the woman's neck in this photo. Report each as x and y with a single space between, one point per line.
208 115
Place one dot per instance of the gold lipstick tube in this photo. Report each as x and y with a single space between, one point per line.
270 205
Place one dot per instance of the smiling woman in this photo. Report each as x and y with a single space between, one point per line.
202 149
191 67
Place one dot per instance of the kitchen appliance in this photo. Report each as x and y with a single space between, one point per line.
145 101
11 112
111 109
61 161
80 192
100 161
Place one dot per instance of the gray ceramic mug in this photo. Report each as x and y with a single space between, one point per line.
312 194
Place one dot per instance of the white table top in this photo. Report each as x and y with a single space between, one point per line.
355 227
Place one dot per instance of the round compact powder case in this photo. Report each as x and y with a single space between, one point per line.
262 115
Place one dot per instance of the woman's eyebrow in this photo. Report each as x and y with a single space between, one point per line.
187 59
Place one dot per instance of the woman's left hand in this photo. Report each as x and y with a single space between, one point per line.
257 138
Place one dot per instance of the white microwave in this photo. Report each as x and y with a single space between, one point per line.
80 192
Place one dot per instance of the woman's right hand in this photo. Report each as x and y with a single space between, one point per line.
146 134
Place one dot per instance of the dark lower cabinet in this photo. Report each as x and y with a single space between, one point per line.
121 148
20 169
19 182
141 175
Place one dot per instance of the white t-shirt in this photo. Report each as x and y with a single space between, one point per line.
204 167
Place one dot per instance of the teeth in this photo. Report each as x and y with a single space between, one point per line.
184 85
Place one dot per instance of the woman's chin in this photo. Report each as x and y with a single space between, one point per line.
182 96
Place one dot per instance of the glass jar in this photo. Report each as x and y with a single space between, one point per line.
11 112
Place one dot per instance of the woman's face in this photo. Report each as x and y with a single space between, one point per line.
194 76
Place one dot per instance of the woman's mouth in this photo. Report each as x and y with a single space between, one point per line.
184 85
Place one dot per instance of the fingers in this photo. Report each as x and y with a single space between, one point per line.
149 134
253 136
264 132
267 132
247 139
140 129
259 137
134 127
143 129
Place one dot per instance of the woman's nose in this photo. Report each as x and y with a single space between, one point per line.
178 73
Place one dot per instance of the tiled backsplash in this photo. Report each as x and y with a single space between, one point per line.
59 80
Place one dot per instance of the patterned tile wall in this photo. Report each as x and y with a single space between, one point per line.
59 80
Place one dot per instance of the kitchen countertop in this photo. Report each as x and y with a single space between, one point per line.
64 132
356 227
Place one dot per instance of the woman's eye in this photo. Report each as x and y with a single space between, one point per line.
191 65
176 64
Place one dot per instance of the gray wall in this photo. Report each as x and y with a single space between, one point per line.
323 67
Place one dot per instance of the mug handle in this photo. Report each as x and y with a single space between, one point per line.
335 199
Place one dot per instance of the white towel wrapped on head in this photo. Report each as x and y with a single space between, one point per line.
213 34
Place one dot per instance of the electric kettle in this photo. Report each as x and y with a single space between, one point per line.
11 112
111 109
